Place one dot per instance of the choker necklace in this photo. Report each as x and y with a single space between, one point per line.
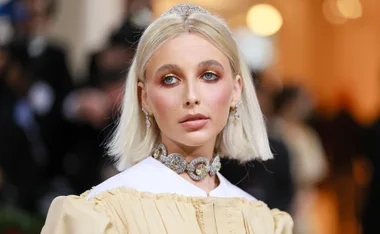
197 169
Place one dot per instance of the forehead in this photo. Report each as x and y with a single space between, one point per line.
186 50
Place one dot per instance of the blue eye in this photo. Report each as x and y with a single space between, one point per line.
169 80
210 76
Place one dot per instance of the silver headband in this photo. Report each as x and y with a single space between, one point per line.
185 10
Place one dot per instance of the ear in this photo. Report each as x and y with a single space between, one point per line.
143 96
237 89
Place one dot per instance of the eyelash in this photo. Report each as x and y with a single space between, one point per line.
167 76
217 77
214 74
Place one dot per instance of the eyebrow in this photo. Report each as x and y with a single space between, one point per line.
168 68
209 63
175 68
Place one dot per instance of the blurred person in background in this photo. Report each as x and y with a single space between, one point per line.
36 84
269 181
94 108
371 149
52 81
47 57
22 147
292 106
341 136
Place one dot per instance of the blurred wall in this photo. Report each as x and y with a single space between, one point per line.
338 63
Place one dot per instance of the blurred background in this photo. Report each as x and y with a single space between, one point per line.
315 65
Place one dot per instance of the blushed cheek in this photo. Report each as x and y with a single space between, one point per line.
219 102
221 99
220 95
163 105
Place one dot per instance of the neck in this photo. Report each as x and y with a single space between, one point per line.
191 152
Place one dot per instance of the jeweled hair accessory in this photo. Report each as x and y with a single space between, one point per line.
185 10
197 169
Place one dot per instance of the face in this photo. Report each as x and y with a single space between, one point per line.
189 89
36 14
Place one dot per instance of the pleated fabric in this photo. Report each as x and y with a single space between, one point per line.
125 210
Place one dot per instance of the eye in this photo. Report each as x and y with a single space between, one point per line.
210 76
170 79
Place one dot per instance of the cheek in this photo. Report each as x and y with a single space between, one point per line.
163 104
219 98
219 102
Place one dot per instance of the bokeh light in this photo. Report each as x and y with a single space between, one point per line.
331 12
264 19
350 9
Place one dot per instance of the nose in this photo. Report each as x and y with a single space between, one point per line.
191 96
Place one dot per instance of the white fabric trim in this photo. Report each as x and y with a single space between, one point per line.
152 176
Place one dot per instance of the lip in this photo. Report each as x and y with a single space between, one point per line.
194 117
194 122
194 125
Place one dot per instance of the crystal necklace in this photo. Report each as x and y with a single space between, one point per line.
197 169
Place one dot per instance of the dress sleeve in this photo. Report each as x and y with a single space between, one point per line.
283 222
76 215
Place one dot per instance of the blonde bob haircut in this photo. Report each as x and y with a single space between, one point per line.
244 139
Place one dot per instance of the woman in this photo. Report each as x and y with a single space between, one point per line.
189 100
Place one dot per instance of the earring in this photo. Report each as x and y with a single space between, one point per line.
148 124
236 109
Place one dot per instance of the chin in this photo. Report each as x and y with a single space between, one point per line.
197 138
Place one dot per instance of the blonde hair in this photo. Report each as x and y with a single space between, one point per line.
244 140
